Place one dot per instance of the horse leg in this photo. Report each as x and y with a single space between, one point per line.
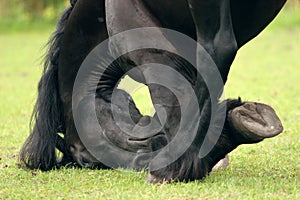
106 140
119 21
81 32
247 123
84 30
105 124
215 34
219 41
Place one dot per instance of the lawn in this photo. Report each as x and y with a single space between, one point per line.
265 70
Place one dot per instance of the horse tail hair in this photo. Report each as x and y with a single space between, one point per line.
39 150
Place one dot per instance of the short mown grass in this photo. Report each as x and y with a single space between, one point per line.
265 70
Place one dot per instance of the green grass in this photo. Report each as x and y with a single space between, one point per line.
265 70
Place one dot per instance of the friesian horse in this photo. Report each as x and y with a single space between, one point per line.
221 27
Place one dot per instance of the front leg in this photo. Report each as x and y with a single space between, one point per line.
216 38
246 123
215 32
220 44
165 83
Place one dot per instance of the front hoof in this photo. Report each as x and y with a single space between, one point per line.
222 164
153 179
255 121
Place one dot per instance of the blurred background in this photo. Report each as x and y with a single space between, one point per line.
17 14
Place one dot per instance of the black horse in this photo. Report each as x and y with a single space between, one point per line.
221 27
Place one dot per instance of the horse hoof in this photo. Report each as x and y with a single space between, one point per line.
155 180
222 164
256 121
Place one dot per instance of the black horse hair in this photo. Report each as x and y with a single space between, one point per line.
39 150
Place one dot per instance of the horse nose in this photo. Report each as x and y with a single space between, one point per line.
82 156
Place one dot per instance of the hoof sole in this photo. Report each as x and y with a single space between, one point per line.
256 121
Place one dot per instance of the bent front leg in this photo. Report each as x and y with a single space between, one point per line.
107 139
215 38
246 123
168 77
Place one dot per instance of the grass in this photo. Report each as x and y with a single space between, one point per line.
265 70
